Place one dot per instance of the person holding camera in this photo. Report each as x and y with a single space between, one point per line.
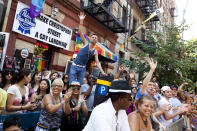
167 117
89 92
76 109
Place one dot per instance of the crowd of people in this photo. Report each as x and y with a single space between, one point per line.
63 106
67 102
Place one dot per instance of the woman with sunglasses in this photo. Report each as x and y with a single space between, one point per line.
18 101
77 106
7 78
52 108
139 119
65 79
37 97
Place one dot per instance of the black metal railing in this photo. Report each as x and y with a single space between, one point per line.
109 12
148 7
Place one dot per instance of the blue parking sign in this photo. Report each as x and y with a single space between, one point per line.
102 90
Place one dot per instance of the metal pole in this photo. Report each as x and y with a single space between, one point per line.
6 15
130 3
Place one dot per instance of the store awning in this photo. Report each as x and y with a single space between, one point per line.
104 53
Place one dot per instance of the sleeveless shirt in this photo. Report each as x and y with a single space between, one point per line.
51 120
84 55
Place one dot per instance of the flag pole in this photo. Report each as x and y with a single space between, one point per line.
157 12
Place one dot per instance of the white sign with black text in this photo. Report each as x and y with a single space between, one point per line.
41 28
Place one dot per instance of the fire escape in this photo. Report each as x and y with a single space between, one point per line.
148 7
108 12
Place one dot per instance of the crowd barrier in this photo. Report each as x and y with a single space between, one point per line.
177 126
28 120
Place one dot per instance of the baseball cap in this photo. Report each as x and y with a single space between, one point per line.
165 88
75 83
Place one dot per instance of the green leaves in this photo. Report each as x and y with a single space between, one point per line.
176 60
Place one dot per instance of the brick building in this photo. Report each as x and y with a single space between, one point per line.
141 10
54 57
113 21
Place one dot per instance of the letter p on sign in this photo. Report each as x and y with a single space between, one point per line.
102 90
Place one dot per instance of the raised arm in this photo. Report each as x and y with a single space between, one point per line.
66 98
149 76
120 69
82 17
88 92
84 106
180 88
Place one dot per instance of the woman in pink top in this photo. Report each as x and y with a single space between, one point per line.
18 101
35 83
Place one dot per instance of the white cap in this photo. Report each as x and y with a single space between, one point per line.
165 88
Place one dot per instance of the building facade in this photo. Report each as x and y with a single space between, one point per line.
46 55
141 10
114 22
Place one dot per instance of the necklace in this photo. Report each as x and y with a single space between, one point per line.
144 121
56 101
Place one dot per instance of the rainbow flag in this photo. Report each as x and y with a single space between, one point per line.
36 7
101 49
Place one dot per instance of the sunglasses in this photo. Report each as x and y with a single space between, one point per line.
9 73
75 87
59 86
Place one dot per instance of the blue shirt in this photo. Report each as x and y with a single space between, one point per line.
175 103
138 95
90 100
84 55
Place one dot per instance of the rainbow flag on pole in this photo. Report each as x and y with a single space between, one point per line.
101 49
36 7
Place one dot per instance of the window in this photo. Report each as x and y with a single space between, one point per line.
134 24
124 16
2 14
42 55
